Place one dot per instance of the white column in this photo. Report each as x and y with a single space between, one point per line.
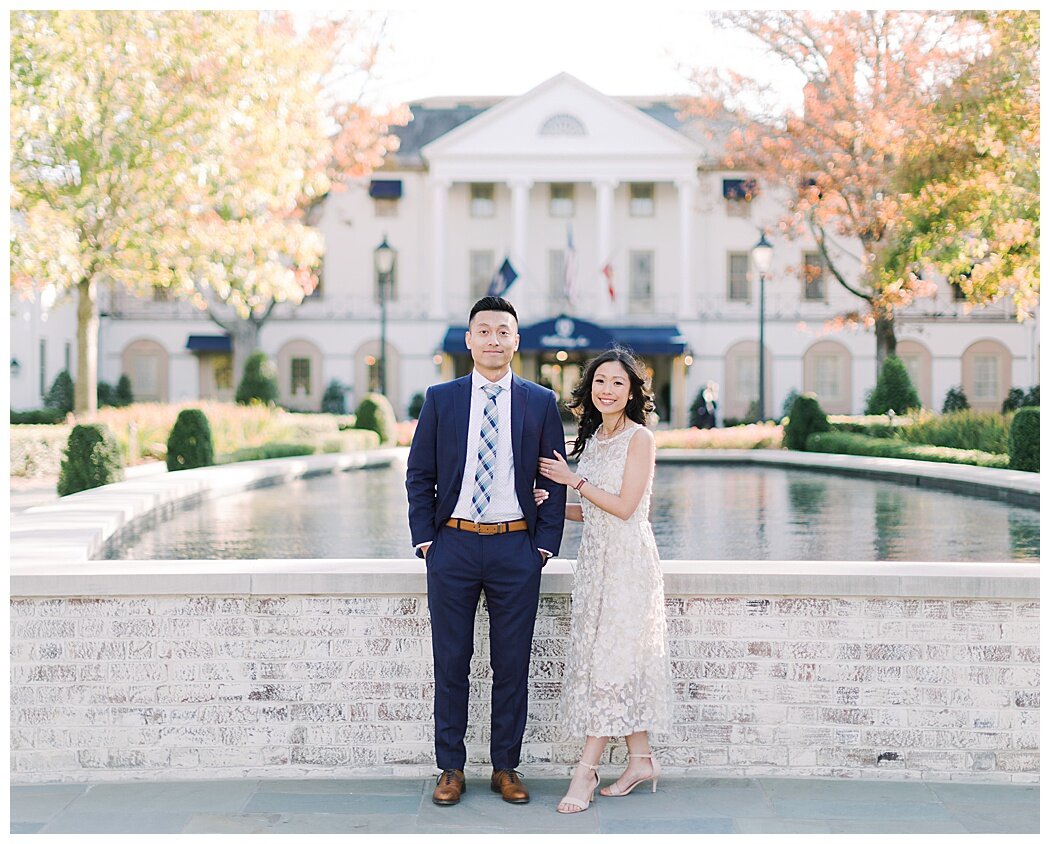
519 201
438 305
605 188
686 194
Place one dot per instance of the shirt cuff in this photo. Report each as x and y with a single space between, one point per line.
545 551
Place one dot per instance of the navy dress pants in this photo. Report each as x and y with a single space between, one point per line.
460 566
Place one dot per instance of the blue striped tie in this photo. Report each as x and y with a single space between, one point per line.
486 470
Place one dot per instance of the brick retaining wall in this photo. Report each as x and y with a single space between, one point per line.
196 686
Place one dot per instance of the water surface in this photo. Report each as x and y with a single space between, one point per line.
704 512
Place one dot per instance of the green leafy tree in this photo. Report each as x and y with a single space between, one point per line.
189 442
60 395
259 383
806 417
92 459
375 413
955 400
334 398
968 182
124 396
894 390
175 150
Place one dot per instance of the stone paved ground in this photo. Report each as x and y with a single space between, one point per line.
402 805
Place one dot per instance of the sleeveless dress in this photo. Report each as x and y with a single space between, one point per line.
617 674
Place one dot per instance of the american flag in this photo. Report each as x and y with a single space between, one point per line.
570 269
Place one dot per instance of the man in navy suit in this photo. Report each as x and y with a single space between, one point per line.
471 473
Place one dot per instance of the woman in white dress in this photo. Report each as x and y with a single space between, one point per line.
617 674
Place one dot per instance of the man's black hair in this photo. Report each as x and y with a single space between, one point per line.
492 303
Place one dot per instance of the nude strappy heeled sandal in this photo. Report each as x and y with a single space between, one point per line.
579 804
615 791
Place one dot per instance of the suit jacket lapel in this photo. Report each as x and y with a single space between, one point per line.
518 398
462 411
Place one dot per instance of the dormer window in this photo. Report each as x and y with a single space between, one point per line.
563 124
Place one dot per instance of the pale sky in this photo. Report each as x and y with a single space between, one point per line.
507 49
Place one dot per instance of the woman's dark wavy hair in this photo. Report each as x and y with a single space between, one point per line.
639 405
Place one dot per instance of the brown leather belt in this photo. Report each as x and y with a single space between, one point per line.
487 528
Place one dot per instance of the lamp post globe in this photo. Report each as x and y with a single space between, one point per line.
383 256
762 256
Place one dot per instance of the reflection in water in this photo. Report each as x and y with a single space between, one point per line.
712 512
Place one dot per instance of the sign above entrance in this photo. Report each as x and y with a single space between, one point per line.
571 334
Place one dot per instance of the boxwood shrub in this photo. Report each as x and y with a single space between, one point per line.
92 459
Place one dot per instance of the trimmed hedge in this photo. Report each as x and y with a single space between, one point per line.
955 400
60 396
375 413
968 429
806 418
36 450
189 443
268 452
893 390
837 443
334 398
1023 445
92 459
44 416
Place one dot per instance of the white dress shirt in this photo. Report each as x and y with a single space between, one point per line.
503 506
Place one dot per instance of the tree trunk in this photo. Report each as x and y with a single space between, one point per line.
85 391
244 336
885 341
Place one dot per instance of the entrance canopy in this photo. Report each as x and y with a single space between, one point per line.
565 333
209 343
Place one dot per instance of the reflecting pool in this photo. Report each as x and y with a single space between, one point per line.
705 512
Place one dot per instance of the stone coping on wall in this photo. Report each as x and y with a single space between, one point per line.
118 578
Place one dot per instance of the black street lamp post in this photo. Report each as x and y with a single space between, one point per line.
762 255
384 264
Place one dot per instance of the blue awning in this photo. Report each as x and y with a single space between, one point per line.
564 333
208 343
385 189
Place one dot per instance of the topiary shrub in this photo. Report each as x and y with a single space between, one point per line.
789 400
123 396
60 396
189 443
105 394
806 417
894 390
92 459
259 383
1014 399
1023 445
375 413
415 406
1032 399
334 399
955 400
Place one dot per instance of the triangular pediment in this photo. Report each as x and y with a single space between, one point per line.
566 119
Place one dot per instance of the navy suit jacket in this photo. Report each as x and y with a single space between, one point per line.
439 451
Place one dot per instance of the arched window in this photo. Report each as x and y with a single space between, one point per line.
919 363
145 362
563 124
740 390
987 370
826 372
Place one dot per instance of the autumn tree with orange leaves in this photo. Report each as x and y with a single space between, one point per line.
178 150
870 78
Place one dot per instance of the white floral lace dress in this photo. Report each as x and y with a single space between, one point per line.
617 673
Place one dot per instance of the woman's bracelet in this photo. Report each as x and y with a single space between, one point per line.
580 484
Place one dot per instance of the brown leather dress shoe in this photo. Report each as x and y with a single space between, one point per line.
509 784
450 785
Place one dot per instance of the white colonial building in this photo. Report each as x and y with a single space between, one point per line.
660 260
